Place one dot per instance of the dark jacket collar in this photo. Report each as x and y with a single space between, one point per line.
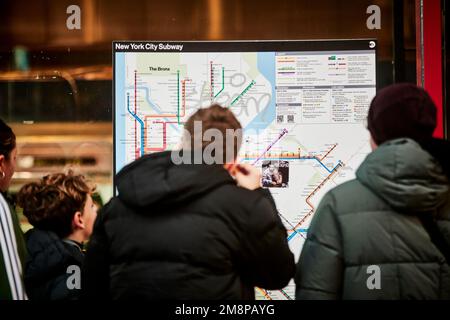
156 180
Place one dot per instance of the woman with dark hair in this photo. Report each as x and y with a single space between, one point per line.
12 246
61 209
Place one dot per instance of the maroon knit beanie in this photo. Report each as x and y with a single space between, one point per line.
401 110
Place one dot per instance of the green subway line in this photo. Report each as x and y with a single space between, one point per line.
243 92
223 82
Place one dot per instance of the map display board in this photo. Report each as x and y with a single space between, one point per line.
302 105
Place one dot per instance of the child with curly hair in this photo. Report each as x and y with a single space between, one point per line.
61 209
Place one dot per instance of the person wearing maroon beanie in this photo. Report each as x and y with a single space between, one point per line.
406 110
386 234
401 110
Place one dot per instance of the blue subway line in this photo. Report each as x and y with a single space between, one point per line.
147 98
153 104
321 163
140 122
301 158
299 231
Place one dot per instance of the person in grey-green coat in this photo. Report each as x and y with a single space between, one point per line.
373 237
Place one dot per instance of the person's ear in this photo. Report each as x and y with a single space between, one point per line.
373 144
78 221
2 160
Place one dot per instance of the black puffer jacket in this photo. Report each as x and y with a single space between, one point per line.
185 232
46 270
373 220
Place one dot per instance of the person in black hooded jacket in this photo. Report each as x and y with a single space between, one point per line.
188 231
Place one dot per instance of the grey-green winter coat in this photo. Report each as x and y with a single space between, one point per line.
373 221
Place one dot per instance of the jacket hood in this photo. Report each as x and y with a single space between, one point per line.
156 179
404 175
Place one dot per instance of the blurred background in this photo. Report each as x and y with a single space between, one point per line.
55 83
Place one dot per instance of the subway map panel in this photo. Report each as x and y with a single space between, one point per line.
303 114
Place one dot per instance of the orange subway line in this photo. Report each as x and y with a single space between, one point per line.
265 294
312 194
326 154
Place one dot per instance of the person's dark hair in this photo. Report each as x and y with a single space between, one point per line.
7 139
220 118
401 110
51 203
440 150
